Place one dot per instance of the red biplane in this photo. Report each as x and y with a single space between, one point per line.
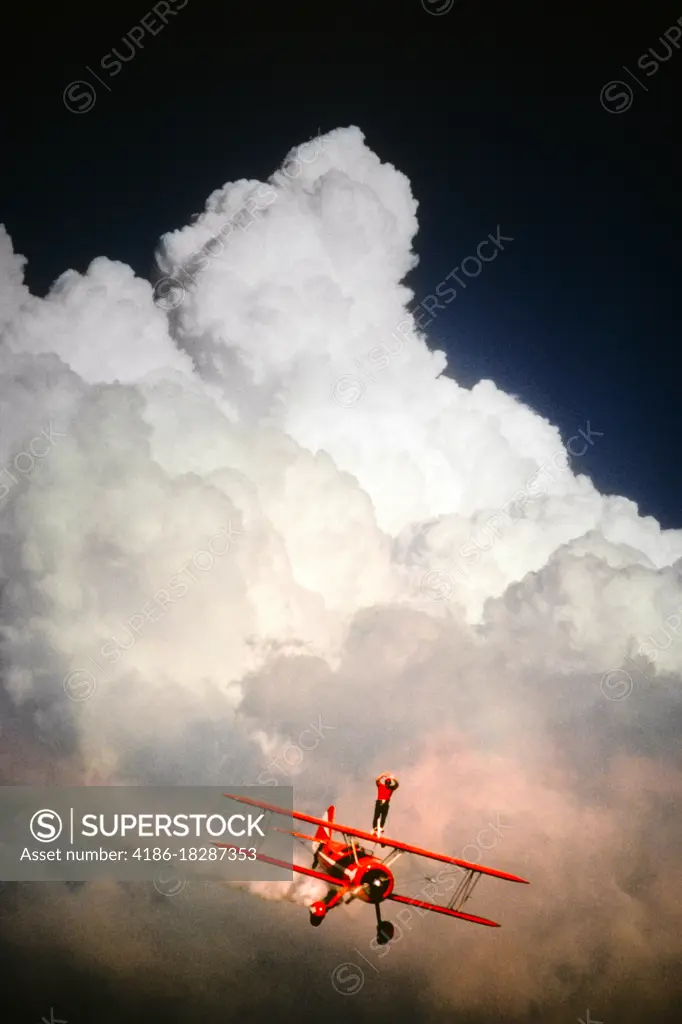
352 872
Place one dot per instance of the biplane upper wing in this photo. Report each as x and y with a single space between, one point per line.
289 867
392 843
443 910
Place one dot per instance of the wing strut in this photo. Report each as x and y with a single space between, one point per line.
464 890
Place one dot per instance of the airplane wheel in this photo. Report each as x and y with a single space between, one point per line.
316 921
385 933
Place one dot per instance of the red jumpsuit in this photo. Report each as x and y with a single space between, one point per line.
386 786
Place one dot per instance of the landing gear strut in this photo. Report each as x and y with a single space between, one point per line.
317 913
385 930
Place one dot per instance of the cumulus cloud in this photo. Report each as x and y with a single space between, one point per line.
218 519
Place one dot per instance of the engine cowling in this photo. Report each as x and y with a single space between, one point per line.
377 883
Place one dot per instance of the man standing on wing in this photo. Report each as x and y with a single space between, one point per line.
386 786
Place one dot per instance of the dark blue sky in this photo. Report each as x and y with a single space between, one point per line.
493 111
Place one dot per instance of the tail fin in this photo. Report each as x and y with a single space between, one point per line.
324 834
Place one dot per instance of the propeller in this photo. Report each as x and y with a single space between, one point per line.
376 883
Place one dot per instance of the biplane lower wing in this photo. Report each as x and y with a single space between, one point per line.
289 867
383 841
443 910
